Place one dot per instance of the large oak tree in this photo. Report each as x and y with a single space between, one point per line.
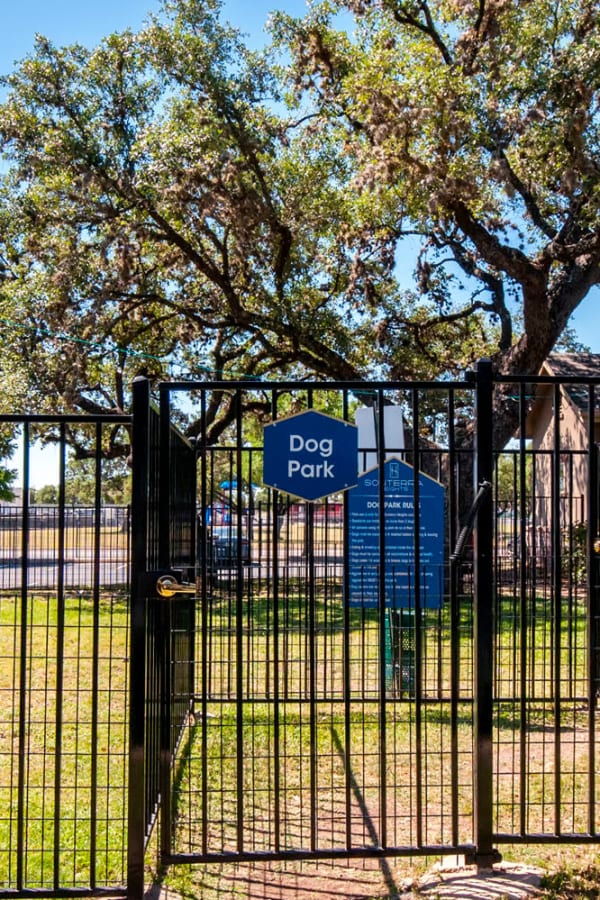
159 215
429 193
474 129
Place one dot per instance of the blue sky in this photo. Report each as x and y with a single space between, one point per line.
69 21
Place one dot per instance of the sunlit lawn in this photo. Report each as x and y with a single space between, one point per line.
75 538
293 714
63 729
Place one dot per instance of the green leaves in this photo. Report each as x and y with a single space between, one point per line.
157 204
474 127
428 194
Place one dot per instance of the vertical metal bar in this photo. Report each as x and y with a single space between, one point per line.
276 660
23 664
455 636
165 612
484 624
346 663
164 481
239 639
557 604
312 675
206 577
514 519
382 612
531 553
570 537
312 663
95 653
593 606
60 660
191 622
523 618
136 814
417 619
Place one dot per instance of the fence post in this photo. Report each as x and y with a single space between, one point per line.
593 605
485 854
136 824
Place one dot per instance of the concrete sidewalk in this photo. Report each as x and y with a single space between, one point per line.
506 881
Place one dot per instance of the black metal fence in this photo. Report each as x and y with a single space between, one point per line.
333 723
547 606
347 677
64 683
330 722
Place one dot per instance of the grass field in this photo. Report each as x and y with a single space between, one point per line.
294 745
344 773
63 740
76 538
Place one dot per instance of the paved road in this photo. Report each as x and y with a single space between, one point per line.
43 571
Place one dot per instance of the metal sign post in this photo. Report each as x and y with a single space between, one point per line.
411 525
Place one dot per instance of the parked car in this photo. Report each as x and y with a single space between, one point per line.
333 513
224 550
297 512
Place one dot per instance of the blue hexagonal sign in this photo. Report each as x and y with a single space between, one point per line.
310 455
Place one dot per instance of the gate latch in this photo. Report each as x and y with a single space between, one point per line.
168 586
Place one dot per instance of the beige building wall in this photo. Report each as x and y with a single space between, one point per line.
573 462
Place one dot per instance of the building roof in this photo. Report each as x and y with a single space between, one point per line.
576 365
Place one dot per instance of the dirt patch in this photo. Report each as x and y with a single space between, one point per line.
364 880
373 880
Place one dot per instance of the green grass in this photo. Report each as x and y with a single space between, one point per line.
54 684
312 775
309 801
569 884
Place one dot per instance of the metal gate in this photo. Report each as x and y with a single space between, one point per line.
286 697
318 724
162 625
287 717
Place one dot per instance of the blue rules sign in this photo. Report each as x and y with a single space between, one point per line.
399 532
310 455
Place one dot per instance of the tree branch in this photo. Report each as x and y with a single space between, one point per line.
500 256
403 16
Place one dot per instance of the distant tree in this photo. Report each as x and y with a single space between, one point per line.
46 495
508 481
7 475
80 482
